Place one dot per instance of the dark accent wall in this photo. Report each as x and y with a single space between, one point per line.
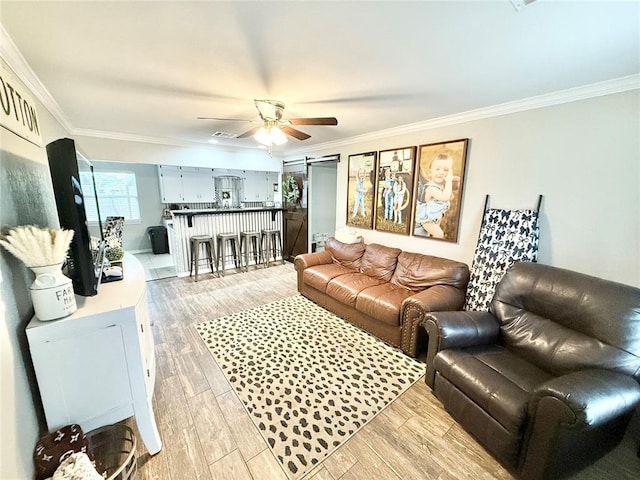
26 198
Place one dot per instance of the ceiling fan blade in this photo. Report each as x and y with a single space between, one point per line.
227 119
314 121
248 133
295 133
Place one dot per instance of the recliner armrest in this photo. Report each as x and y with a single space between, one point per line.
305 260
583 406
462 329
457 330
593 396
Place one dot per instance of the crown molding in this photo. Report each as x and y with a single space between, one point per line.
21 68
608 87
129 137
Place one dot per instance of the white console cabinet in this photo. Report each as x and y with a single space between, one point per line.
97 366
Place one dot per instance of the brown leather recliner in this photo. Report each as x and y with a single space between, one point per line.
548 379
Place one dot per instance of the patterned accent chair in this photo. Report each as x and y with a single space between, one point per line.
547 380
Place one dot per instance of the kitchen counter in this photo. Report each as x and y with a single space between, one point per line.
190 213
211 221
199 211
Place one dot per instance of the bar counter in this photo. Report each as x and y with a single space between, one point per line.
190 222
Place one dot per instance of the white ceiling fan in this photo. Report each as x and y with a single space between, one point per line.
272 128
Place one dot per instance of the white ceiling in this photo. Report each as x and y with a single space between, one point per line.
146 70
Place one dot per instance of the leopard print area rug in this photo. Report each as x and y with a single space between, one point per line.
308 379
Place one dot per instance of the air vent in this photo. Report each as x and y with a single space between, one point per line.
224 135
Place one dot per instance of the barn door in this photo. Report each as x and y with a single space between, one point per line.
296 220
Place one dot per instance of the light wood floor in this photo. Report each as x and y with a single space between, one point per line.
207 434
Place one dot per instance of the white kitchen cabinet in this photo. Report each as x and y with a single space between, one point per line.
97 366
170 184
273 178
258 186
253 186
186 184
198 185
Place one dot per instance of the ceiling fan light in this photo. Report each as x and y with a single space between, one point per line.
270 136
277 136
263 136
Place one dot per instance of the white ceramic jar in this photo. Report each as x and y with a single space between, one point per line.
52 293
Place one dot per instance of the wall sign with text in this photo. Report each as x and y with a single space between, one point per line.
17 108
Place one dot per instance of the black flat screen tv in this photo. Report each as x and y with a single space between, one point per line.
65 166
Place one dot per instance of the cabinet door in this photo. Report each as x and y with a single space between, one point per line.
145 339
197 184
170 184
206 185
252 186
82 377
258 187
273 181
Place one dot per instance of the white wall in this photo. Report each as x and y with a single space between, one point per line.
583 156
322 199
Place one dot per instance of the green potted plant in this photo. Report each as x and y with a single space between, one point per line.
290 191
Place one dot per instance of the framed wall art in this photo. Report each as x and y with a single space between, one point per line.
438 189
360 191
394 190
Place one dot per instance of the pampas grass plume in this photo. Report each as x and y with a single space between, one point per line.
36 246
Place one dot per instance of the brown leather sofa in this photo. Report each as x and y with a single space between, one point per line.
383 290
548 379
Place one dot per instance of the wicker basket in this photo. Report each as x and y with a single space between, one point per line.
114 449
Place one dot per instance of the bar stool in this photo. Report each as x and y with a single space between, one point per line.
271 242
223 239
196 241
250 244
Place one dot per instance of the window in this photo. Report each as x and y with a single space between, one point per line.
117 195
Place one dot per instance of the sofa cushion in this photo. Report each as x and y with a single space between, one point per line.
560 349
379 261
347 255
495 379
578 321
418 272
383 302
346 288
319 276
